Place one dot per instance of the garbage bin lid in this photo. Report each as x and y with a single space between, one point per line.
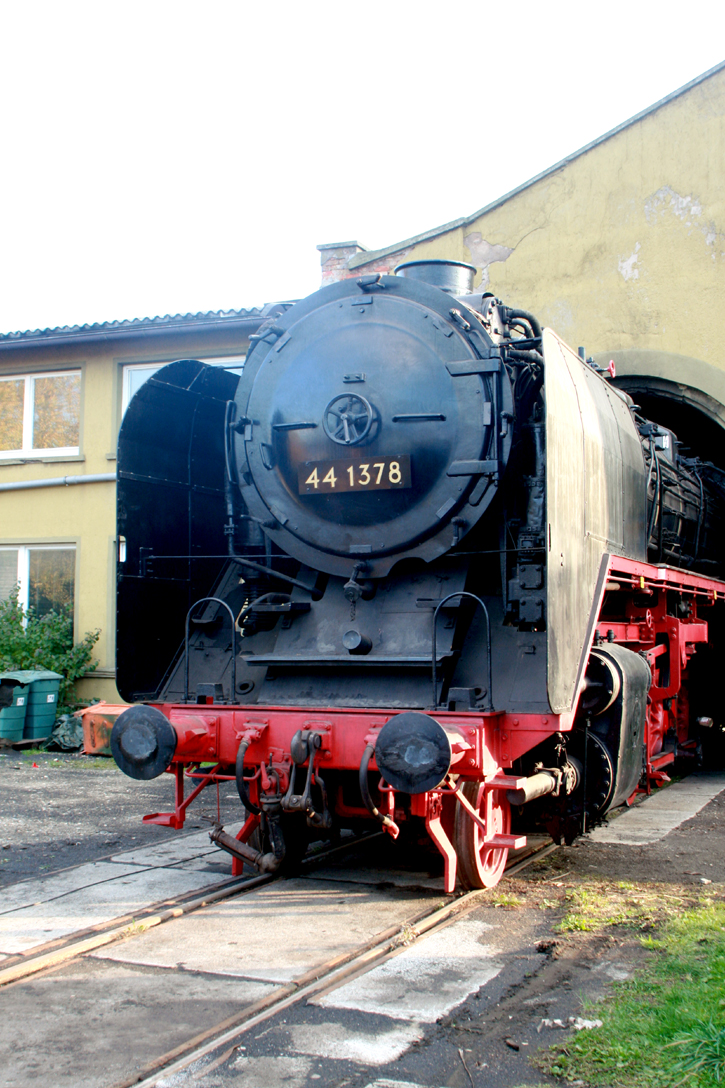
28 676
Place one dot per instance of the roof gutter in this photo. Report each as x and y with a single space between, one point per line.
60 481
243 326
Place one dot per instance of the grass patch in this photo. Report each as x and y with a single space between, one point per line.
666 1026
596 905
507 900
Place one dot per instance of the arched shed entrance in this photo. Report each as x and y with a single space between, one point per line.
682 393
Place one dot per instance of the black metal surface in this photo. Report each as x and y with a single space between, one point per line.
225 606
453 277
143 742
413 752
488 705
427 389
170 498
481 564
686 499
620 724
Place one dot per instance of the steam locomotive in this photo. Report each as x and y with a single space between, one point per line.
421 564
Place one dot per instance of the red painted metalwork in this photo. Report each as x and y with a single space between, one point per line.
634 613
668 641
482 746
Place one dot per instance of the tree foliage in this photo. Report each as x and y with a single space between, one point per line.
28 641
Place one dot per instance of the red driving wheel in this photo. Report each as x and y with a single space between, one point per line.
481 866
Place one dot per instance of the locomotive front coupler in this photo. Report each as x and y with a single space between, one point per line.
303 748
270 810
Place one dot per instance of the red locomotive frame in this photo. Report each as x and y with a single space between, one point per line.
484 744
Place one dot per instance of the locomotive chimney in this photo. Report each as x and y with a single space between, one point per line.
453 277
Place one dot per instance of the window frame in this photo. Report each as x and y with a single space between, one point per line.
30 451
23 580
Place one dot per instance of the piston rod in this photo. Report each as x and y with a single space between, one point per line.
537 786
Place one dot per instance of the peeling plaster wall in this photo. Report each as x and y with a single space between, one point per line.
484 254
623 247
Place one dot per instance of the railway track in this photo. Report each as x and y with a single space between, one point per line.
50 954
41 957
322 979
123 940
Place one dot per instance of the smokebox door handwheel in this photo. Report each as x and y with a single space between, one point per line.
347 420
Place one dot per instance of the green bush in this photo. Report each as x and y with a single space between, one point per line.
28 641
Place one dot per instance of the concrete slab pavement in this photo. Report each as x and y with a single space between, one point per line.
23 929
426 980
90 1025
33 912
274 933
30 893
185 847
341 1042
658 815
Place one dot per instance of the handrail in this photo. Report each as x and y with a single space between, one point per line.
217 600
462 593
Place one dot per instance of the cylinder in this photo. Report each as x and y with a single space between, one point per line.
453 277
355 643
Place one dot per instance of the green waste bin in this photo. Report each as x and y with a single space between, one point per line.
12 718
37 711
42 704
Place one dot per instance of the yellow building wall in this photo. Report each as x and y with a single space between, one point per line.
623 246
85 514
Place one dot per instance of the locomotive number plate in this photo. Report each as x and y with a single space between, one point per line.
380 474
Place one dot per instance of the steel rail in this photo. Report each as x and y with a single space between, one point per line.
40 957
128 929
317 981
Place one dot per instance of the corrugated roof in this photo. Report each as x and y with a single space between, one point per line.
368 258
110 329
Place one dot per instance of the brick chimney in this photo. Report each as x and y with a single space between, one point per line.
335 258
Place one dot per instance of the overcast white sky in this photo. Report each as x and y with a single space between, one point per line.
163 157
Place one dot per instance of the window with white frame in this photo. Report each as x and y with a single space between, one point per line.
135 374
40 414
43 573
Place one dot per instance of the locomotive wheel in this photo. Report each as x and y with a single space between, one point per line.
481 866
